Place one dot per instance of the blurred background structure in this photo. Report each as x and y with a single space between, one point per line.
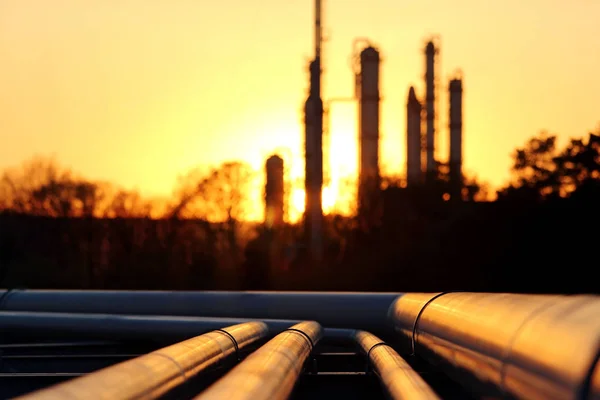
396 231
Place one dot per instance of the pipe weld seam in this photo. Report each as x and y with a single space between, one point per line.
307 337
235 344
182 370
416 323
373 348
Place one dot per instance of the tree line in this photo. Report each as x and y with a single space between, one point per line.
60 230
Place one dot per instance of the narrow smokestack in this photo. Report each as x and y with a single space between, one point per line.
313 147
456 179
413 139
274 192
368 128
430 52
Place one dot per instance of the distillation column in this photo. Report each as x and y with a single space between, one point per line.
368 119
430 52
456 178
413 139
274 192
313 147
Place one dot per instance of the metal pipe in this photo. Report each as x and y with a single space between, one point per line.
156 328
594 386
271 371
398 378
367 311
524 346
153 374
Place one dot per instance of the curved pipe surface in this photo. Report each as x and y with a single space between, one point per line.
366 311
160 328
156 328
398 378
271 372
153 374
595 383
524 346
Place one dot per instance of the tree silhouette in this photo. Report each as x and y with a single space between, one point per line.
578 164
128 204
220 196
541 171
41 187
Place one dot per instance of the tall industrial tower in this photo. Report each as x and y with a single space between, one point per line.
456 178
414 173
368 120
313 147
430 165
274 192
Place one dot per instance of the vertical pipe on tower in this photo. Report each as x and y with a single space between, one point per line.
274 192
368 116
318 28
456 179
413 139
313 147
430 104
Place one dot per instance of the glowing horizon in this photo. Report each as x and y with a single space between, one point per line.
142 91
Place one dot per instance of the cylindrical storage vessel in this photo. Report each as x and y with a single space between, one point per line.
274 192
526 346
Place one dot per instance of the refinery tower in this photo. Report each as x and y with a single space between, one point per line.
274 192
368 125
430 63
313 149
456 137
414 172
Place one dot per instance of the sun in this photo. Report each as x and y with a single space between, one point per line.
297 204
329 199
298 198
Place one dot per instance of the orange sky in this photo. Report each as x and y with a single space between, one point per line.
139 91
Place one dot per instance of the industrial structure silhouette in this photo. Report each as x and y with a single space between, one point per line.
413 333
421 164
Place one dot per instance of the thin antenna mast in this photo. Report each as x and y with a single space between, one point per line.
318 41
318 28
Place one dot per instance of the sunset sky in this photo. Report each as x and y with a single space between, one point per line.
139 91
